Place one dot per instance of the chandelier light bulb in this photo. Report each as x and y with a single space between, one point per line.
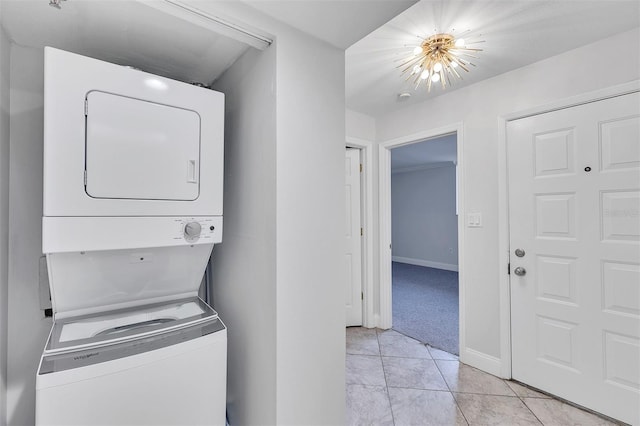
439 58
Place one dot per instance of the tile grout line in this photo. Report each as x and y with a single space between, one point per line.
550 397
527 405
459 392
515 395
524 402
407 357
384 373
450 391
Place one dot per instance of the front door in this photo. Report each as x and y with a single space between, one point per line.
574 203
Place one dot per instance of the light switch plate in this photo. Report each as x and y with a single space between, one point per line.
474 220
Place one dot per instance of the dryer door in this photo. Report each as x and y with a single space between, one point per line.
140 150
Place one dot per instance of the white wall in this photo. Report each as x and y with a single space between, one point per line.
5 47
424 226
244 265
310 226
478 107
360 126
28 328
277 275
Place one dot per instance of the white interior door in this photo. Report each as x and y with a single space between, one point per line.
353 244
574 203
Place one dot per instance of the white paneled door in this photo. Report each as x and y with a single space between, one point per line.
574 203
353 244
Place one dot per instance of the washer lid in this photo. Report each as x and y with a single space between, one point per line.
89 331
93 282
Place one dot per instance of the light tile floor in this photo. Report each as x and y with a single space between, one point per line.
396 380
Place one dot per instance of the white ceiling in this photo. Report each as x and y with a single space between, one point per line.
338 22
125 33
141 34
516 33
136 33
429 153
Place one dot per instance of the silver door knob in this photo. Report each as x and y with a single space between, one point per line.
520 271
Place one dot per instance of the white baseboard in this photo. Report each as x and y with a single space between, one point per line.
482 361
374 323
427 263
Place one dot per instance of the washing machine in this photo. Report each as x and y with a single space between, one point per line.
163 364
133 175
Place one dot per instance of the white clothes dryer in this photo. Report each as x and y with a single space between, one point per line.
132 210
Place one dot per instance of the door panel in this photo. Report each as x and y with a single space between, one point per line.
353 248
574 208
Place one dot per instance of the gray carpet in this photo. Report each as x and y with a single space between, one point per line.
425 305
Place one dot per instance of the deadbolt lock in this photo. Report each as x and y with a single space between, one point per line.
520 253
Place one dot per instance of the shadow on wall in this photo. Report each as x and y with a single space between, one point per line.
28 328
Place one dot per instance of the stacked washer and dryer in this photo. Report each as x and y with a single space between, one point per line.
133 184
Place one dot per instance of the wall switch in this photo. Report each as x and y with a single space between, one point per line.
474 220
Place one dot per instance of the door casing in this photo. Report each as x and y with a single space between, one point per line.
369 319
354 310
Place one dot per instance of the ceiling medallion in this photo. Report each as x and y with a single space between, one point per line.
437 59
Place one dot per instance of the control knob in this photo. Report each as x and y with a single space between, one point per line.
192 230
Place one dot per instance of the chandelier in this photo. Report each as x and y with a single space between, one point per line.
56 3
437 59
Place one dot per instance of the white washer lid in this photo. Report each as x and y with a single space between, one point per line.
115 324
72 334
91 282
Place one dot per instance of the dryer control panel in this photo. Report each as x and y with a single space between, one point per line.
192 229
75 234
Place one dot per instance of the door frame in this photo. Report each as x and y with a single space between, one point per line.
369 319
384 168
503 201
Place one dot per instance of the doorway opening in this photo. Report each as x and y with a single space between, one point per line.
424 241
